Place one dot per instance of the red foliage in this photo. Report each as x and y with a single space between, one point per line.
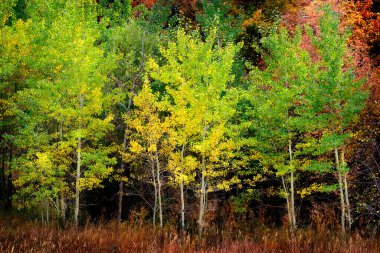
147 3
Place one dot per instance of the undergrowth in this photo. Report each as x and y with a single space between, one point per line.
18 235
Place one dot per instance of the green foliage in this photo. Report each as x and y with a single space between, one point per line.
278 96
74 72
117 12
219 14
240 203
6 11
196 75
83 81
334 78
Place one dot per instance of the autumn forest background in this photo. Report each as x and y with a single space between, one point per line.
189 125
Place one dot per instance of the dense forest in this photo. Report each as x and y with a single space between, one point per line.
189 125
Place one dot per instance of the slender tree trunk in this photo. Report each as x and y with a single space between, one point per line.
287 200
78 172
57 201
120 202
203 190
159 188
342 204
343 163
202 199
182 193
61 205
347 201
293 221
77 190
155 190
205 198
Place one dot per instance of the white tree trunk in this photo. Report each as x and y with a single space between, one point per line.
78 172
155 190
292 206
341 193
159 189
77 179
349 220
287 201
202 201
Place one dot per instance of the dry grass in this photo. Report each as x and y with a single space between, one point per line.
17 235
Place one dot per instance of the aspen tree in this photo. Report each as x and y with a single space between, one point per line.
197 75
337 99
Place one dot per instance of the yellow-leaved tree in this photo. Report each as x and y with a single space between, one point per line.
147 141
200 103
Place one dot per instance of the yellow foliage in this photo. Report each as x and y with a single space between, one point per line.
43 161
309 190
152 148
135 147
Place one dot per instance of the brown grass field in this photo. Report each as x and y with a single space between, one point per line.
18 235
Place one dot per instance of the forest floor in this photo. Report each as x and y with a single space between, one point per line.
18 235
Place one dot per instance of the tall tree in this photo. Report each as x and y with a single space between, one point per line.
278 95
134 42
76 72
16 51
338 97
197 75
150 128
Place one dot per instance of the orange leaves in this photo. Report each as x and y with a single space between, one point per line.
365 22
147 3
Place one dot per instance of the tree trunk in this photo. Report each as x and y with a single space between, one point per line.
78 172
77 190
61 205
159 188
293 221
182 194
203 190
120 202
342 204
202 199
349 220
287 201
155 190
